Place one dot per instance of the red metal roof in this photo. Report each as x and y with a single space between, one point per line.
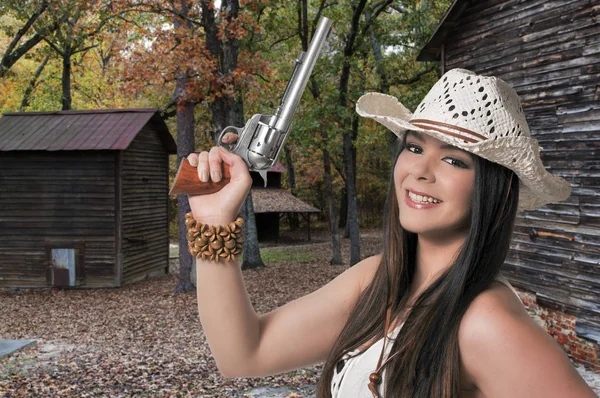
79 130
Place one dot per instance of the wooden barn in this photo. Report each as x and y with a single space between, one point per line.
549 51
272 202
83 197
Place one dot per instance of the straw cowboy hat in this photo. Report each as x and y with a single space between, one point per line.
481 115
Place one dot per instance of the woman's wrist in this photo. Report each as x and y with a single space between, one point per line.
215 219
214 242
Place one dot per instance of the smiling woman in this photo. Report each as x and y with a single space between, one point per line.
432 316
437 178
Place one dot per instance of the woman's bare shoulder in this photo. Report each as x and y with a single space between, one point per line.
368 268
506 353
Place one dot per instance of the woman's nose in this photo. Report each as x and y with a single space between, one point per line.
422 169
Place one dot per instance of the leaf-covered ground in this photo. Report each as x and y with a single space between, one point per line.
143 340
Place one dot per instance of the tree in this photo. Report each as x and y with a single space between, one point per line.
33 82
78 24
185 140
202 55
23 41
227 105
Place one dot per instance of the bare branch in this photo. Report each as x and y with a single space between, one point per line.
84 49
261 77
376 11
153 9
282 40
54 46
413 79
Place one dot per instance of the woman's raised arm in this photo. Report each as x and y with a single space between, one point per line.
295 335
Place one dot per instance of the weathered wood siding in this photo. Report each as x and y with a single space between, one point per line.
144 176
549 51
62 197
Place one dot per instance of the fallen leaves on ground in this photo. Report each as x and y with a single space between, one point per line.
142 339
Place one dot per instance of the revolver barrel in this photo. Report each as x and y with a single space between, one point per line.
297 84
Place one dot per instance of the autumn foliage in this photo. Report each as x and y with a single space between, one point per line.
125 53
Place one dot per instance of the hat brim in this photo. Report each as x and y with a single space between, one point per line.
520 154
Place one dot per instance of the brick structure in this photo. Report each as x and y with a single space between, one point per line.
561 326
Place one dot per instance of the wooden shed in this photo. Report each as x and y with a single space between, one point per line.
83 197
549 51
271 202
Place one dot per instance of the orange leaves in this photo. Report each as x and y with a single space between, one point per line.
162 53
236 28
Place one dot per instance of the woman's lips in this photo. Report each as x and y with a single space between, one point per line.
418 205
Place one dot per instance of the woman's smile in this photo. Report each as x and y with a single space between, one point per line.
419 200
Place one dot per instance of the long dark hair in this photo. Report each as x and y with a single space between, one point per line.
428 363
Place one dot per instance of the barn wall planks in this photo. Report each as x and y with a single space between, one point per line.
550 52
56 198
144 181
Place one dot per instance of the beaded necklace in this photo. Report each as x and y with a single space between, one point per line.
375 377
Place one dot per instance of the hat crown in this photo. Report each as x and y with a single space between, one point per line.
485 106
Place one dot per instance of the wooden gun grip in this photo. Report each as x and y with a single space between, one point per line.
187 181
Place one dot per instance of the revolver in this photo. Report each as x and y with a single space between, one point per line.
260 141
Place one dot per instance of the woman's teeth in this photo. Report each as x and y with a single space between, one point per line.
422 199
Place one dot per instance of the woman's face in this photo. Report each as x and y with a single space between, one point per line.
434 183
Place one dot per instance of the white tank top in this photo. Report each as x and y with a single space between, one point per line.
351 373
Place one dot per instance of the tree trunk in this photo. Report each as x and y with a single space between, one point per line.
384 85
185 145
352 222
252 257
228 110
349 150
353 227
343 220
32 83
293 220
66 79
336 258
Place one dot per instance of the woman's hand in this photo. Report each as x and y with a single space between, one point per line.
221 207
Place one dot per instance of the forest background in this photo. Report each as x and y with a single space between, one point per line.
207 65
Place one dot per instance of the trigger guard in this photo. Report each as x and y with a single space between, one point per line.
229 129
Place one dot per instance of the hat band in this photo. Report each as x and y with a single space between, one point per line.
455 131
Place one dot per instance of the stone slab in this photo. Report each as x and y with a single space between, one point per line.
280 392
7 347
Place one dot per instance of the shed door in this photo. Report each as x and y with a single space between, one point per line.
63 261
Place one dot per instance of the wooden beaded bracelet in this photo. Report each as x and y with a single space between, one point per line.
208 242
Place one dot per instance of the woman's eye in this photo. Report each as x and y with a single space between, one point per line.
457 163
414 148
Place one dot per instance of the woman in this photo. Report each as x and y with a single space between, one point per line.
432 316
